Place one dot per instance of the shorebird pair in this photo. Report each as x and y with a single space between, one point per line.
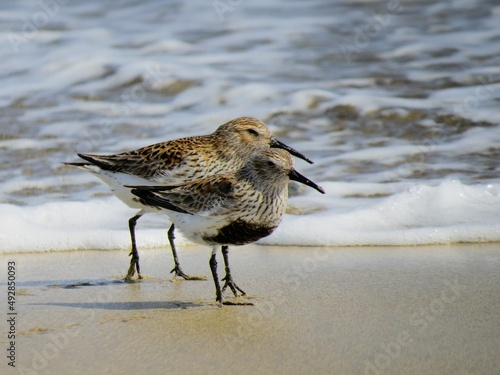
225 188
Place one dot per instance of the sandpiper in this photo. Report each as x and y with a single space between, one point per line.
234 208
178 162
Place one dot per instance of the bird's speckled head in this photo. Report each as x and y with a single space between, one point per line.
246 132
276 167
272 165
249 135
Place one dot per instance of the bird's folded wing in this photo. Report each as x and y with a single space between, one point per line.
153 199
151 162
195 197
129 162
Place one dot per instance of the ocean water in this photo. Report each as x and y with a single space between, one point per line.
396 101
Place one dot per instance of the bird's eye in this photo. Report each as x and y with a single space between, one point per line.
253 132
270 163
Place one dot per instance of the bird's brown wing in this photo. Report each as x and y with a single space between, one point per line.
193 198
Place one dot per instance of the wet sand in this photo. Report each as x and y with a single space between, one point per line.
401 310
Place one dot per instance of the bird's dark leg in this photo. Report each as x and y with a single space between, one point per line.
177 270
229 282
213 268
134 262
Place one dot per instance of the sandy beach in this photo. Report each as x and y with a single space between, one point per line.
397 104
415 310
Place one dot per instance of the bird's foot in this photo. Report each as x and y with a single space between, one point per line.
229 282
177 271
129 278
134 265
236 302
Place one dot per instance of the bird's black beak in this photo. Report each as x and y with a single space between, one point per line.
296 176
277 144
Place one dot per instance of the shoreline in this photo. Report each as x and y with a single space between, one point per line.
356 310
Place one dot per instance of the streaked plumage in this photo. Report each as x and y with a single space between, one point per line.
231 208
178 162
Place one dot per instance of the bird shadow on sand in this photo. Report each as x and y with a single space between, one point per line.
132 305
101 304
72 284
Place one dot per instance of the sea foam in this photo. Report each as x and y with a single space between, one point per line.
348 215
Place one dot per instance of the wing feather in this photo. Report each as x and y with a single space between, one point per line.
194 197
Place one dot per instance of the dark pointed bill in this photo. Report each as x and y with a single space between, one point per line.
277 144
296 176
